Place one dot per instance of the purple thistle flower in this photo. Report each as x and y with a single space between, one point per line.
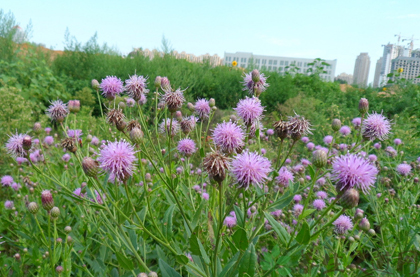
74 133
373 158
305 139
342 146
404 169
321 181
397 141
57 111
249 168
298 208
353 171
136 87
249 109
277 213
111 86
270 132
343 224
391 151
130 102
328 139
305 162
376 126
66 157
202 108
288 161
49 140
100 198
173 99
356 121
321 194
95 141
230 221
8 204
14 145
187 147
118 158
7 180
297 198
260 86
319 204
21 160
205 196
310 146
142 100
36 156
16 186
377 145
228 136
47 130
345 130
165 127
284 177
78 192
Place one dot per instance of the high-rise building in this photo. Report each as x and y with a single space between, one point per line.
361 70
279 64
410 67
348 78
391 51
377 72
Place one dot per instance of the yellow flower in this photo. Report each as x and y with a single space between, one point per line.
400 70
234 63
384 89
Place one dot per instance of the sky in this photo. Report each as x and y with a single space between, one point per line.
327 29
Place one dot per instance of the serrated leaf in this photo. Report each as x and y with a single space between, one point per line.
248 262
123 261
304 235
167 270
281 232
240 239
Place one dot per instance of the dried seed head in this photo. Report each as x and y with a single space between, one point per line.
69 144
114 116
216 165
298 126
281 129
133 124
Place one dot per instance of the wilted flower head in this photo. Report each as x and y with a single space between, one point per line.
202 108
136 86
15 145
319 204
111 86
188 124
216 165
257 82
343 224
117 158
404 169
249 168
345 130
187 147
352 170
376 126
69 144
57 111
298 126
228 136
173 99
284 177
281 128
165 127
115 116
249 109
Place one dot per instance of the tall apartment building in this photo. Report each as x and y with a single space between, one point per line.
410 67
361 70
277 63
345 77
377 72
391 51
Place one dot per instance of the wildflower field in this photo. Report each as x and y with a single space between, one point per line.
109 168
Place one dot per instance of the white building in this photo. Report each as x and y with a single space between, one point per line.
278 64
377 72
345 77
391 51
361 70
410 68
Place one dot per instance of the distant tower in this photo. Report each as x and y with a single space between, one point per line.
19 35
361 70
377 72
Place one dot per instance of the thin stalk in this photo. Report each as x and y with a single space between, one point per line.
219 227
100 102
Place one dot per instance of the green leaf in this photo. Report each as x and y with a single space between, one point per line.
227 268
202 154
304 235
239 216
306 213
248 262
123 261
167 270
311 172
167 222
194 248
281 232
203 252
240 239
182 259
281 203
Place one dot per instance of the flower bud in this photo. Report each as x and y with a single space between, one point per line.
363 106
67 229
233 118
136 135
69 239
359 214
59 269
356 237
364 224
17 256
212 102
37 128
121 125
350 199
153 274
371 232
158 82
74 106
165 84
142 274
319 158
90 166
148 177
163 151
33 207
336 124
122 105
47 200
27 142
55 212
178 115
255 74
89 138
95 84
190 106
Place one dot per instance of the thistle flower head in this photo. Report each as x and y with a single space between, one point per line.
69 144
298 126
188 124
117 158
8 204
249 109
15 145
397 141
352 170
228 136
74 133
356 121
298 208
328 139
249 168
130 102
230 221
78 192
136 86
111 86
404 169
255 81
187 147
49 140
321 194
165 127
7 180
216 164
319 204
47 200
173 99
376 126
57 111
343 224
345 130
202 108
133 124
115 116
284 177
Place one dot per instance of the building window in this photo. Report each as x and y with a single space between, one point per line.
280 68
270 62
269 67
274 68
264 61
281 62
257 61
275 62
286 63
